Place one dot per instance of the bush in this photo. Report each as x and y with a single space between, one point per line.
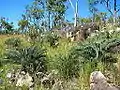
67 66
52 38
32 59
99 50
13 42
34 33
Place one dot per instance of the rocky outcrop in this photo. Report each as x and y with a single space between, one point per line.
48 80
25 80
20 79
99 82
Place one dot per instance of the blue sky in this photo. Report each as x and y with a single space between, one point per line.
12 9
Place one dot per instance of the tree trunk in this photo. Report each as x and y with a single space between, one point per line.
49 20
75 9
76 14
115 12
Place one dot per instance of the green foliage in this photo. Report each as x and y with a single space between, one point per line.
57 8
52 38
100 50
13 42
23 24
33 33
68 66
32 59
6 26
84 20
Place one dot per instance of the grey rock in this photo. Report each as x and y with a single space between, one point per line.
25 80
1 81
48 80
99 82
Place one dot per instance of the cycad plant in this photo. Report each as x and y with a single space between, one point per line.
32 59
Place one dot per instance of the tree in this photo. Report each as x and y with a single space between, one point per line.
108 4
75 9
35 14
92 8
23 24
111 6
46 14
84 20
57 10
6 26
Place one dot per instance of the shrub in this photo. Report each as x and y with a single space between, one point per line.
99 50
67 66
32 59
52 38
13 42
34 33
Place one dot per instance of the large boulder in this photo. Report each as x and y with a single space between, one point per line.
99 82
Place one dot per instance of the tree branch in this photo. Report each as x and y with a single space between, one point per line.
72 5
107 6
118 10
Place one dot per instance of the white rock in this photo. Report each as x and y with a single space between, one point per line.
118 29
22 72
81 26
9 75
25 80
111 31
93 34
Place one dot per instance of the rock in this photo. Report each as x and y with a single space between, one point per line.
118 29
25 80
71 84
9 75
1 81
22 73
49 80
46 82
99 82
40 75
111 31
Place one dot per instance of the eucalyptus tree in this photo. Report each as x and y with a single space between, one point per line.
35 14
75 9
112 6
23 24
56 9
46 14
5 25
92 8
